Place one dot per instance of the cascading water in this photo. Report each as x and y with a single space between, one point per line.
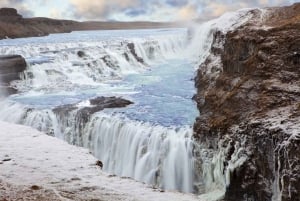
152 154
146 141
151 140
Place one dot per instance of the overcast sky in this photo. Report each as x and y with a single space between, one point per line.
133 10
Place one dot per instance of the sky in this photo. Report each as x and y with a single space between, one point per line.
134 10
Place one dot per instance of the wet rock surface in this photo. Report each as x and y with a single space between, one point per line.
82 114
95 105
250 104
10 68
98 104
132 50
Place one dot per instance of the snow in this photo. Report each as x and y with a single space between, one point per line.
30 159
283 119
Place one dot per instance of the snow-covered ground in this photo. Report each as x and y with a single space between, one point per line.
34 166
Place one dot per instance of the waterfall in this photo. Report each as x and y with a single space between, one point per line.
160 156
73 64
163 157
152 154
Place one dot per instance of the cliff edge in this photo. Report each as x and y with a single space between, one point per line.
13 25
250 111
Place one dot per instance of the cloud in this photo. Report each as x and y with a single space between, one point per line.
188 12
99 9
213 9
177 3
56 14
131 10
263 2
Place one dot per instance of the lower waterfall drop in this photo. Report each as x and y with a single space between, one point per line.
152 154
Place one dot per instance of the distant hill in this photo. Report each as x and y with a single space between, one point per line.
13 25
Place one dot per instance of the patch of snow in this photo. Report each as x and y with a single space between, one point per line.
29 157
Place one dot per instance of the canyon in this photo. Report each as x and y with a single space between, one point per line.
244 145
249 104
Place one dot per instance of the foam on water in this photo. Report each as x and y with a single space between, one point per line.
150 141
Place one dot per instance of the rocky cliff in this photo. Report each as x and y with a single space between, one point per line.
13 25
250 106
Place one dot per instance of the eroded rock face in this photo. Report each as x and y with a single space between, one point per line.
254 102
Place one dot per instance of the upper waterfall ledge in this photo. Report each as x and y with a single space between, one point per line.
36 166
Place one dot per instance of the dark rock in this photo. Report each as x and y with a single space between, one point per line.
98 104
99 163
35 187
132 51
111 102
81 53
110 62
126 56
64 109
12 64
9 15
8 12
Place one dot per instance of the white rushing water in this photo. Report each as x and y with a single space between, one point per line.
66 69
150 141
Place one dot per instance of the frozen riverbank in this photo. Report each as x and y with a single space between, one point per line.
36 166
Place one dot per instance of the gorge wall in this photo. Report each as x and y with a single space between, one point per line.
250 105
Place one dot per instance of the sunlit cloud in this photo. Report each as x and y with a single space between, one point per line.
134 10
187 13
99 9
